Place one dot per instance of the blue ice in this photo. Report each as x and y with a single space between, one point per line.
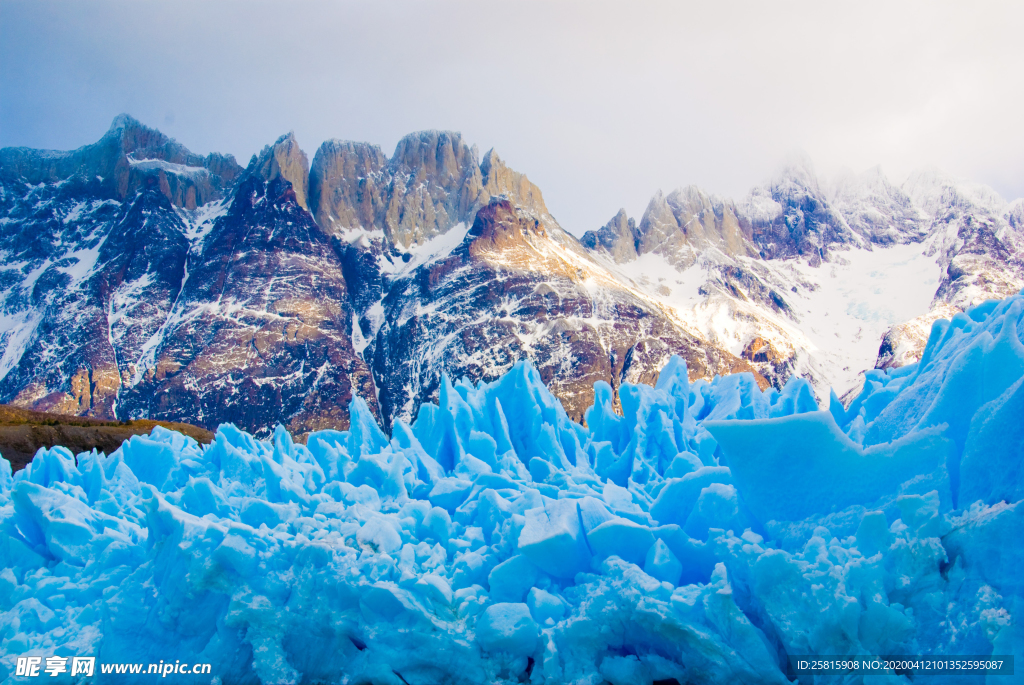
702 533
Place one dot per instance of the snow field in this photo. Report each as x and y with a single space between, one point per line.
838 322
703 534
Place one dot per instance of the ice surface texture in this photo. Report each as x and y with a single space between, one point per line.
702 534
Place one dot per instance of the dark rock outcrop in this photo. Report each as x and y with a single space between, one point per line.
98 279
261 332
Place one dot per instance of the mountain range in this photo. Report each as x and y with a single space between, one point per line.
140 280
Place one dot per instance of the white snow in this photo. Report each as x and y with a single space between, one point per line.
85 260
199 222
75 212
428 252
661 279
360 236
16 331
168 167
375 315
126 296
857 302
29 282
839 324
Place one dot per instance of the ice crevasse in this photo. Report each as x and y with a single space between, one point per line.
703 535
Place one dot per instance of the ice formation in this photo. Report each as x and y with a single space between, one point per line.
702 534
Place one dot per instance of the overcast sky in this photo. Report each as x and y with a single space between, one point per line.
600 104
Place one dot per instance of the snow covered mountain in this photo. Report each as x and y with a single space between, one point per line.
806 275
142 280
94 247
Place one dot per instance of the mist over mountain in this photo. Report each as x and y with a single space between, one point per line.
140 280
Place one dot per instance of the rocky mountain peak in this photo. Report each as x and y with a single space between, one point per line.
134 135
435 184
285 160
499 179
123 121
499 231
128 158
128 137
619 238
876 209
687 222
791 215
346 183
439 155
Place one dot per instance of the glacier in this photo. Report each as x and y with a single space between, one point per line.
700 532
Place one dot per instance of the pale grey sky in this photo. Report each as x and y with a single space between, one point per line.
600 104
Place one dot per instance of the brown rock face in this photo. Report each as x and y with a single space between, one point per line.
347 186
433 182
500 180
89 392
760 350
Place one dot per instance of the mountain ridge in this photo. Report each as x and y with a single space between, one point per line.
184 287
966 230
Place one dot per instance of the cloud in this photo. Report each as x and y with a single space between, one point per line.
601 104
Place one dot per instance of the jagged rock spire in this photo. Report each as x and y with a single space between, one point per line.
286 160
